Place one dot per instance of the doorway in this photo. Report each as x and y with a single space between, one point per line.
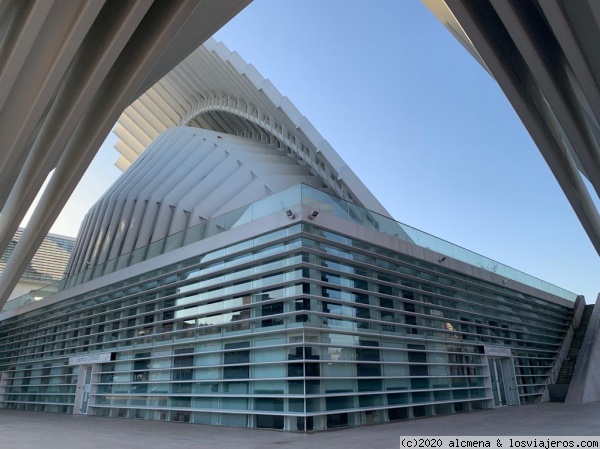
84 382
503 381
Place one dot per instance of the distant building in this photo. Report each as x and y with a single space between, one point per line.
239 273
47 266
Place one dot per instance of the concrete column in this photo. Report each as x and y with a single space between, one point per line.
83 79
137 59
532 110
44 45
585 383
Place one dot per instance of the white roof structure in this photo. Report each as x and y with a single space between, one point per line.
215 89
187 176
544 55
209 138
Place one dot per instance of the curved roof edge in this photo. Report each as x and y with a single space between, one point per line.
215 88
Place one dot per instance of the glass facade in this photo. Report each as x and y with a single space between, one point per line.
298 329
279 202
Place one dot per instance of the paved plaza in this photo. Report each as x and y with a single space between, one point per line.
24 430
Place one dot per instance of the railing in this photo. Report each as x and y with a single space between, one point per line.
281 201
321 201
277 202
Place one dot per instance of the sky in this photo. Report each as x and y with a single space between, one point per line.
421 123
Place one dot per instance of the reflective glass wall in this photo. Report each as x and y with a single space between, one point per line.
280 202
297 329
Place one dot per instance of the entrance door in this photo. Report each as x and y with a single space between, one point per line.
86 375
499 386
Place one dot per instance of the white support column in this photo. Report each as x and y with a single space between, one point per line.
44 51
82 80
161 23
531 111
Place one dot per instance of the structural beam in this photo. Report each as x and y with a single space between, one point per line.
67 71
543 56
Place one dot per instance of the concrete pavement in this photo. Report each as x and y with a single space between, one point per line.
25 430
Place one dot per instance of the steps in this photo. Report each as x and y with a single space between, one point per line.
568 367
558 391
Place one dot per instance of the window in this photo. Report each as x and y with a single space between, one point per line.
141 373
183 370
239 358
272 309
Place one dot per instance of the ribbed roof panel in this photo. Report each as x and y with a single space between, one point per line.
215 89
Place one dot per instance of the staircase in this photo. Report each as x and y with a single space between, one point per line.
558 392
568 366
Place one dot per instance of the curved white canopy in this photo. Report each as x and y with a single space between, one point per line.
215 89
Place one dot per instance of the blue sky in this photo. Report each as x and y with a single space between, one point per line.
421 123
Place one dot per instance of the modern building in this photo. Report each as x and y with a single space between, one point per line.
47 266
239 273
